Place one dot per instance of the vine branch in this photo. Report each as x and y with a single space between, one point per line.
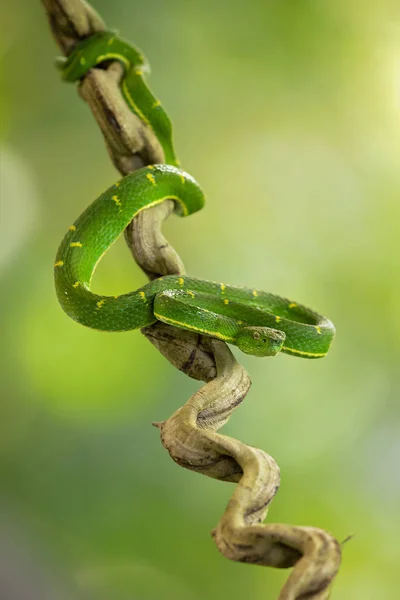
190 434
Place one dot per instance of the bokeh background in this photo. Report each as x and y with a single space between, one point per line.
288 114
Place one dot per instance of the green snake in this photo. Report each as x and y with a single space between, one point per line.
257 322
106 46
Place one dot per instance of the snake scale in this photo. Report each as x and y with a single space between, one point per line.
258 323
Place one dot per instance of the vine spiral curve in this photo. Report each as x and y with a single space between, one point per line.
190 434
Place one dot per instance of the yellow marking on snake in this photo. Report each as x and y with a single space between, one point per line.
223 287
181 281
134 107
83 61
226 301
113 56
277 318
156 104
292 305
117 184
151 167
191 293
150 177
303 353
214 334
255 293
143 296
76 284
111 41
59 263
182 178
240 322
75 245
116 297
72 228
206 310
100 303
116 200
318 329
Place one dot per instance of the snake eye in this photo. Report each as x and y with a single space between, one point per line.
257 335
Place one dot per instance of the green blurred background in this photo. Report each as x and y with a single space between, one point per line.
288 114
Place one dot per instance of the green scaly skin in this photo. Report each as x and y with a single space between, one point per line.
257 322
106 46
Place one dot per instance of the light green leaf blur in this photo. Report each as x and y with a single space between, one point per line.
288 114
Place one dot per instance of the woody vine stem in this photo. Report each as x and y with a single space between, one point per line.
190 434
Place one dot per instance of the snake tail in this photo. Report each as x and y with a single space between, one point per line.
106 46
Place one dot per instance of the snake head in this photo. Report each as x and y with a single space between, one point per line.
260 341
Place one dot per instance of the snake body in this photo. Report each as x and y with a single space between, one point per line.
259 323
106 46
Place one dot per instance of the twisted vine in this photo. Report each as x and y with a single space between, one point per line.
190 434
